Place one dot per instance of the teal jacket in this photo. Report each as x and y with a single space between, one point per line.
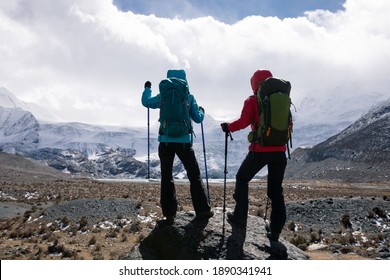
154 102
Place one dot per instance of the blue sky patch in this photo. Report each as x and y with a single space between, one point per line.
228 11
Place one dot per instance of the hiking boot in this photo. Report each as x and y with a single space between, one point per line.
236 221
273 236
204 215
170 219
267 226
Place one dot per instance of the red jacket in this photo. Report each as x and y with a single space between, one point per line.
249 116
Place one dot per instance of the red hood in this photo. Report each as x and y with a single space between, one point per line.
258 77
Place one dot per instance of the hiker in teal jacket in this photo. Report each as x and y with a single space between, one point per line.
196 112
182 147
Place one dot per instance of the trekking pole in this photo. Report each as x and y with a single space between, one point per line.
266 209
148 144
267 225
227 134
205 163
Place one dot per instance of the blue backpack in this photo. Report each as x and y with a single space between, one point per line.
174 118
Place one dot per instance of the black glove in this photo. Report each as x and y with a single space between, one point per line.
225 127
148 84
201 108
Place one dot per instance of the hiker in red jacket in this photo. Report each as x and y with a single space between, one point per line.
258 157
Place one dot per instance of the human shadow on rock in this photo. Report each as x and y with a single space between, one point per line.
235 244
175 241
277 251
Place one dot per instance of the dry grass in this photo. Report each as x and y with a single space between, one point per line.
23 238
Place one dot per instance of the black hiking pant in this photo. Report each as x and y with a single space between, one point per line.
253 163
185 152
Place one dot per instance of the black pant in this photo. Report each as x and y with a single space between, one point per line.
253 163
185 152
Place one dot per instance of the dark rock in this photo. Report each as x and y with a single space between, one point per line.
186 239
345 221
91 210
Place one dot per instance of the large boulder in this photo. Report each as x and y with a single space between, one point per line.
188 239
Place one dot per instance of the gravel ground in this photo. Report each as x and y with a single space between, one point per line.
64 217
95 209
358 225
364 213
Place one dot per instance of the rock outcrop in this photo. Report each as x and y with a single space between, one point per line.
188 239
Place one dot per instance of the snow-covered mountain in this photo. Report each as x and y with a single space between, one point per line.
360 152
18 130
9 100
103 151
120 152
70 147
321 115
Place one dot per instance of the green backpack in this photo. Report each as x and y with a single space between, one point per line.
175 118
273 97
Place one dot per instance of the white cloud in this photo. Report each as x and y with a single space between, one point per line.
88 61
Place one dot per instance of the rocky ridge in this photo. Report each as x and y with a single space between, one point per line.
358 153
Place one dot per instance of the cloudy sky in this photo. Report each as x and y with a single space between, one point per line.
87 60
